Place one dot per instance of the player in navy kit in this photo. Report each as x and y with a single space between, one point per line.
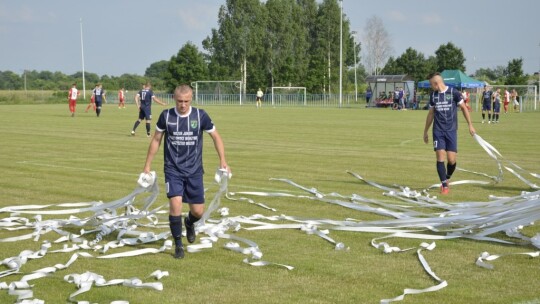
144 99
443 106
98 94
486 104
496 106
183 127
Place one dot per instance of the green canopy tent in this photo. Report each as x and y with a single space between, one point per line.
456 79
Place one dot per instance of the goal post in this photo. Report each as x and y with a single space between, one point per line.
290 95
217 91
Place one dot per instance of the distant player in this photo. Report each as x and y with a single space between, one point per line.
121 97
486 104
144 99
259 98
496 105
466 98
506 101
515 101
99 96
72 98
443 107
92 103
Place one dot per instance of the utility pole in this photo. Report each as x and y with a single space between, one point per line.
341 54
82 58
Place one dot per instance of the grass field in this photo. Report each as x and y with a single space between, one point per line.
47 157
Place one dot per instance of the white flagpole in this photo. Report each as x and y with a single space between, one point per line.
82 58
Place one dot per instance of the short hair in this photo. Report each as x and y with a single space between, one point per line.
74 84
433 75
183 89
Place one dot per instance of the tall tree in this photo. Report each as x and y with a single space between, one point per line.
158 69
377 44
514 73
186 67
450 57
411 62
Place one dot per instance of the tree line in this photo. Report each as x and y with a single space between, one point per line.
280 43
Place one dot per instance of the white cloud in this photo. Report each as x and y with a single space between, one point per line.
431 19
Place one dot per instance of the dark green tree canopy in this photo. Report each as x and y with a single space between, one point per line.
186 67
450 57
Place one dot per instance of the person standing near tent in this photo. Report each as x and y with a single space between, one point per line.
444 102
486 104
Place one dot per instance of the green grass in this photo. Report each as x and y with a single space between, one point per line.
47 157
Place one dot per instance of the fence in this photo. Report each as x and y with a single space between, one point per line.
528 102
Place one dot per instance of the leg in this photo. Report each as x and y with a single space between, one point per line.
175 224
451 163
148 121
135 125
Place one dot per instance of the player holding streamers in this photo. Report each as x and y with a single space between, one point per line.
144 99
443 105
183 127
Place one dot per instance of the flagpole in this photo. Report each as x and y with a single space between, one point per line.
82 58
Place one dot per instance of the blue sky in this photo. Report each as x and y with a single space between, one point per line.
126 36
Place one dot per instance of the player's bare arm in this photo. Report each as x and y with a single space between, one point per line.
152 150
220 149
429 121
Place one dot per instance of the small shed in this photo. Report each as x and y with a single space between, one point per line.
381 85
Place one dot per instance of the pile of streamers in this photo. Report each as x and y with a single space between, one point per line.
417 215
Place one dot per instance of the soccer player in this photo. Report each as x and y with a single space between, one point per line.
259 98
515 100
121 97
98 94
486 104
506 100
144 99
72 98
183 127
92 103
496 105
466 98
443 106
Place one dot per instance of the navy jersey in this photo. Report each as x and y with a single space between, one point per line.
486 96
146 98
445 109
184 140
98 94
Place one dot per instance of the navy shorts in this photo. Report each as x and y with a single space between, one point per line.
191 189
145 113
486 106
445 141
497 107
